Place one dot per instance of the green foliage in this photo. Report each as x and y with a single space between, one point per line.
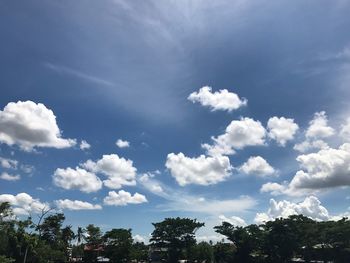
4 259
173 239
118 243
139 252
176 235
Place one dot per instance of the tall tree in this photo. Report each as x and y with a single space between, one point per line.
118 244
176 235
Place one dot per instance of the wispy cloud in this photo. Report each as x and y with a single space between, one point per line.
178 200
76 73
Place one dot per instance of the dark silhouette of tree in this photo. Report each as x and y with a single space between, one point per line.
118 244
176 235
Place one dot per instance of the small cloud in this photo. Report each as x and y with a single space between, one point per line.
9 177
219 100
122 144
84 145
123 198
76 205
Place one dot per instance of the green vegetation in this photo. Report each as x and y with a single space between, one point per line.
173 239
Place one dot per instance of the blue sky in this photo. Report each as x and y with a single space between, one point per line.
112 70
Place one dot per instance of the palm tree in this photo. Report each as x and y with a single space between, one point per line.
80 235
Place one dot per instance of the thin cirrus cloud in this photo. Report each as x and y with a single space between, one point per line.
218 100
178 200
29 125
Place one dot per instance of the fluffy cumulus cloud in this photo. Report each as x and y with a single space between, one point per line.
318 127
23 203
119 171
122 144
281 129
8 163
310 207
9 177
327 168
123 198
77 178
307 146
238 134
219 100
30 125
201 170
274 188
152 185
76 205
84 145
256 165
323 169
345 131
233 220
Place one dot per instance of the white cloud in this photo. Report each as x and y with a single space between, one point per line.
307 146
30 125
138 238
122 144
238 134
188 203
84 145
151 184
273 188
318 127
8 163
23 203
119 171
201 170
345 131
9 177
326 168
281 129
219 100
310 207
123 198
257 165
77 178
233 220
76 205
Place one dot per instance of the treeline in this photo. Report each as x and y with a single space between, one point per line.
296 238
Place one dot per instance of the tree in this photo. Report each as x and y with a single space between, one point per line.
241 237
93 243
176 235
139 252
202 252
118 243
80 235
